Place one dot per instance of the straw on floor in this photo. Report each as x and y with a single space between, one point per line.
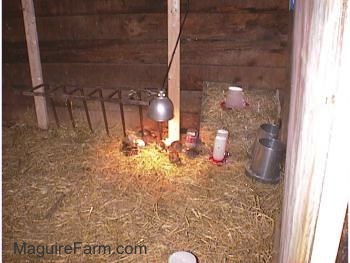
62 186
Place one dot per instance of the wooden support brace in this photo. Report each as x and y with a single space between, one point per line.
174 73
34 61
317 171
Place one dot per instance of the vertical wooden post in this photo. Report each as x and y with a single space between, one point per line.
286 92
34 61
316 183
174 73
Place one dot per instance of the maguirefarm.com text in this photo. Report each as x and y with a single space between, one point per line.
40 250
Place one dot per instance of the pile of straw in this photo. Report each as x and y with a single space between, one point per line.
263 107
62 186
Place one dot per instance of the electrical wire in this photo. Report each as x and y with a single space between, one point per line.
176 45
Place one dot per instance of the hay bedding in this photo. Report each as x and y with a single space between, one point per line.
64 186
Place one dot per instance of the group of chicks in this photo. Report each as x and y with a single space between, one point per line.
131 144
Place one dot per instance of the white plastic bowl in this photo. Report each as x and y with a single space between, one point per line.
182 257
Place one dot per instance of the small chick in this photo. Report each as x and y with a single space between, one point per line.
128 148
126 142
177 146
192 153
161 146
145 133
148 139
153 134
174 157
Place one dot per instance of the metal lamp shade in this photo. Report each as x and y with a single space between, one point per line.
161 108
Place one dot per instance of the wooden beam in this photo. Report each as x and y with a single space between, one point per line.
174 73
34 61
246 27
83 7
192 77
316 183
220 53
286 93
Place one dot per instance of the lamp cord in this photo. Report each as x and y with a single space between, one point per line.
177 43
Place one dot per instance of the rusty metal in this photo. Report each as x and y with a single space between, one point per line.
121 109
141 114
79 97
70 93
52 102
100 94
69 108
43 85
53 106
104 111
86 110
84 104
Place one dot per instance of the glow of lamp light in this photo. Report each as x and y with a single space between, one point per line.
168 141
140 143
172 134
174 127
161 109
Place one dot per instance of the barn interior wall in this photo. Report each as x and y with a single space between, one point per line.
124 44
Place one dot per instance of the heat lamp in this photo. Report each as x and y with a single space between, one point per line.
161 108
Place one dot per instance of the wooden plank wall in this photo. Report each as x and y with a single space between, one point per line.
124 43
316 183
